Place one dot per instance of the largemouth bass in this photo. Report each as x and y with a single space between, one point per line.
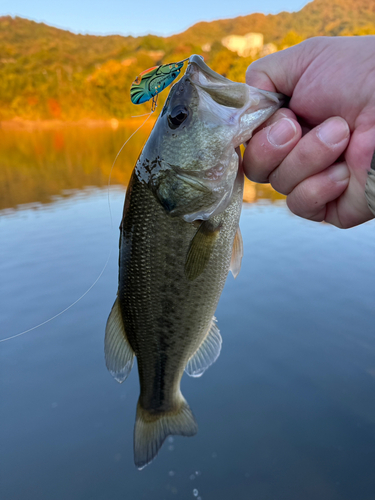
179 237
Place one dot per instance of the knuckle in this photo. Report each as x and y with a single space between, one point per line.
294 205
279 183
286 113
309 156
255 65
259 159
310 195
256 174
303 156
305 201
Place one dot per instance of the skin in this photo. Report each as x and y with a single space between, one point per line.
318 151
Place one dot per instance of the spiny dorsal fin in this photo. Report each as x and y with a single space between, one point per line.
119 356
151 430
207 353
200 250
237 254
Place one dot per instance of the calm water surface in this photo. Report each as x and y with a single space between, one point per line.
287 411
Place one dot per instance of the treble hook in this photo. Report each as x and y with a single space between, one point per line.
154 102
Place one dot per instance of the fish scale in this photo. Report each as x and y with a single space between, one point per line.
160 269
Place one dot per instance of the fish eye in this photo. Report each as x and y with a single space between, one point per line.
177 116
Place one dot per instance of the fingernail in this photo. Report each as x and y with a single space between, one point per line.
339 172
281 132
333 131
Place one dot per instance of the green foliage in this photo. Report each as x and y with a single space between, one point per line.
48 73
290 39
365 30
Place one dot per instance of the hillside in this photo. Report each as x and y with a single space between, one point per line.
318 18
47 73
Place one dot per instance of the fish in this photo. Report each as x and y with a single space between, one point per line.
179 237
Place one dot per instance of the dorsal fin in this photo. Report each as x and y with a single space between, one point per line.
207 353
119 356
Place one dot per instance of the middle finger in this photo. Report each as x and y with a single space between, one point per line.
316 151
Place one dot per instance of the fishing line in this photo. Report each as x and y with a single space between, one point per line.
139 116
118 154
109 255
61 312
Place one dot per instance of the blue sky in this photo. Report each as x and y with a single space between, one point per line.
137 17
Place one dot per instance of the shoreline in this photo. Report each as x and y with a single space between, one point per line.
113 123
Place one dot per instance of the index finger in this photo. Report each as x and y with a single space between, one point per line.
281 71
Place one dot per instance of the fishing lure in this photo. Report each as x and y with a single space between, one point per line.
152 81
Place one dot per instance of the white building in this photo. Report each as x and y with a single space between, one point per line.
248 45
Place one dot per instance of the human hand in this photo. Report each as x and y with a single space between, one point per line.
318 151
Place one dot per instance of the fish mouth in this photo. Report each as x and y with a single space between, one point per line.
223 102
226 92
223 91
196 62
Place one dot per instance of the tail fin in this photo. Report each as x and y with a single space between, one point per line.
151 431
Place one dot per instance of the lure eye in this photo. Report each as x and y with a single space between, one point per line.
177 116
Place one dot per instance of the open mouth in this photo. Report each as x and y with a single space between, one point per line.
218 86
196 62
221 90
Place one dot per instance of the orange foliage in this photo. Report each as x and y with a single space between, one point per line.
54 108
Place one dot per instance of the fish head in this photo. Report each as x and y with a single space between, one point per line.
190 160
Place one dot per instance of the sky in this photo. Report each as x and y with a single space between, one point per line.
130 17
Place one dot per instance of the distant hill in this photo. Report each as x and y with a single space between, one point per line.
317 18
46 72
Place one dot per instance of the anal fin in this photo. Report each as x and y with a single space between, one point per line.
207 353
237 254
119 356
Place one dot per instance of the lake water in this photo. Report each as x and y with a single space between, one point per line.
286 412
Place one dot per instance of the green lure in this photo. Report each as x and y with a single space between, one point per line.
152 81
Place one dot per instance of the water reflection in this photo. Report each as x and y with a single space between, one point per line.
287 413
36 165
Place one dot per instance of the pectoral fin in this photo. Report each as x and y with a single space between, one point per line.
237 254
200 249
370 187
119 356
207 353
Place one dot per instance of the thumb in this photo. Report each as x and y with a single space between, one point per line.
281 71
